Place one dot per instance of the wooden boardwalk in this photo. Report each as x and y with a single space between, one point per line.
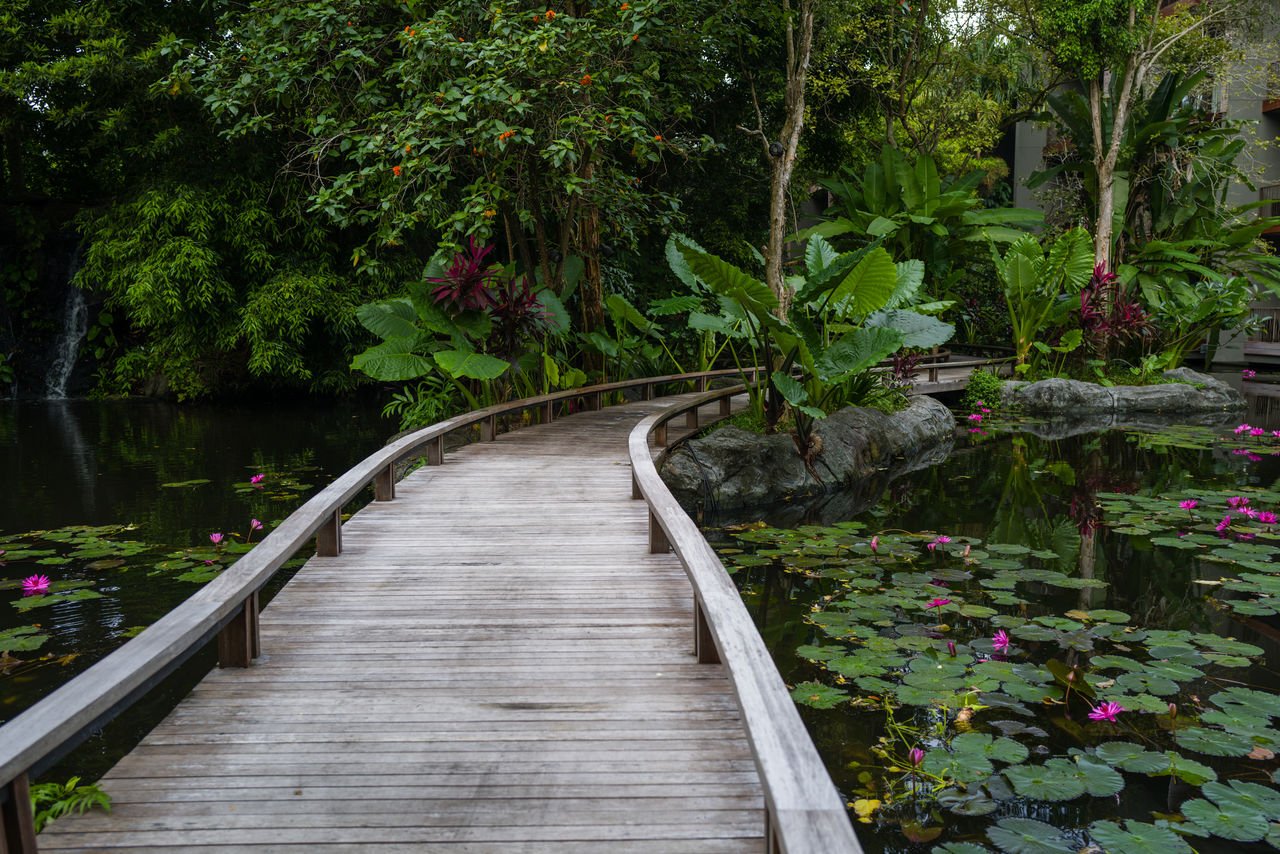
495 663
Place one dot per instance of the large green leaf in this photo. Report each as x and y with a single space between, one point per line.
393 361
393 318
557 318
910 278
476 366
867 287
1028 836
725 279
1230 820
1045 783
1137 838
918 330
818 254
791 389
856 351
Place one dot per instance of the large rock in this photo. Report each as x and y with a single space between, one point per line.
733 468
1193 392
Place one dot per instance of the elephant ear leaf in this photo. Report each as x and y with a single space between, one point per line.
393 360
818 254
910 278
856 351
918 330
727 280
868 285
476 366
393 318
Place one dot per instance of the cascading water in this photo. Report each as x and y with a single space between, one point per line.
75 324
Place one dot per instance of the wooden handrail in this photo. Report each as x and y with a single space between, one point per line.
226 607
804 811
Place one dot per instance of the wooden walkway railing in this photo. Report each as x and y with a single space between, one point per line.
801 802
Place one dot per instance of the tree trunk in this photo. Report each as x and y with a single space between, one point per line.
782 167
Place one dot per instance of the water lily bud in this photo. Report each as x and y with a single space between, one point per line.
1173 710
917 756
951 648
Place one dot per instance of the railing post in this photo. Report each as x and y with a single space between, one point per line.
657 537
726 405
704 645
329 536
489 429
16 819
384 484
648 391
597 401
635 487
547 412
691 418
702 383
660 434
238 642
435 452
933 372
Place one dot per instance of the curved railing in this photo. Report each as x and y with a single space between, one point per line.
804 811
227 606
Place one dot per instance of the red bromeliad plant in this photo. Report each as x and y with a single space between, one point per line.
465 284
1106 315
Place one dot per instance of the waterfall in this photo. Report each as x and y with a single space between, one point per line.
75 323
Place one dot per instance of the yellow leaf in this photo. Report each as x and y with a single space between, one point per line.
1077 615
864 808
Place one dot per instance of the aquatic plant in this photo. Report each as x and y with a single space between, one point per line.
33 584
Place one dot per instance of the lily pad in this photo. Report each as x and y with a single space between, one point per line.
1045 783
817 695
1231 820
1137 838
1213 742
21 639
1131 757
1028 836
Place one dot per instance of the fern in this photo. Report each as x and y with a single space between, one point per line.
54 800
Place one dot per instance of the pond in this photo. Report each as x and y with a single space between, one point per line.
1041 645
113 507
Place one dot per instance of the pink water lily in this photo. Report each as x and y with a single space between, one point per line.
1266 517
916 755
1257 431
1106 712
255 525
1243 428
1248 374
875 544
1189 504
216 538
257 479
1236 502
975 417
938 603
1224 524
1000 641
35 584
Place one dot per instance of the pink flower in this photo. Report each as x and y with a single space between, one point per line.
875 543
1257 431
931 546
257 479
942 538
33 584
951 648
1243 428
1106 712
1224 524
966 550
1236 502
216 538
1253 458
986 411
1276 433
975 417
1189 504
255 525
1267 518
1248 374
1000 641
916 755
938 603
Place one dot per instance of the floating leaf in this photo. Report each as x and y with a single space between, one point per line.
21 639
1045 783
817 695
1131 757
1247 795
27 603
186 483
1028 836
1231 820
1213 742
1137 838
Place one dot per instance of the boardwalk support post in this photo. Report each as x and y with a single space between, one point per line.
660 434
16 819
435 452
691 418
658 543
648 391
384 485
238 642
489 429
635 487
329 536
702 383
704 645
547 412
726 406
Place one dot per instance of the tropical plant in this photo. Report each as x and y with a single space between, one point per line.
1039 284
845 318
54 800
469 323
915 213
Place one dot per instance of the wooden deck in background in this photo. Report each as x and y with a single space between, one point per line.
495 663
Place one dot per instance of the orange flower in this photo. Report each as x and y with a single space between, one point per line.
349 24
626 6
658 138
635 37
412 33
490 214
536 19
396 170
550 14
406 29
586 80
407 147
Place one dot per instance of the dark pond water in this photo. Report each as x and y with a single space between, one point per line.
115 501
1027 518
